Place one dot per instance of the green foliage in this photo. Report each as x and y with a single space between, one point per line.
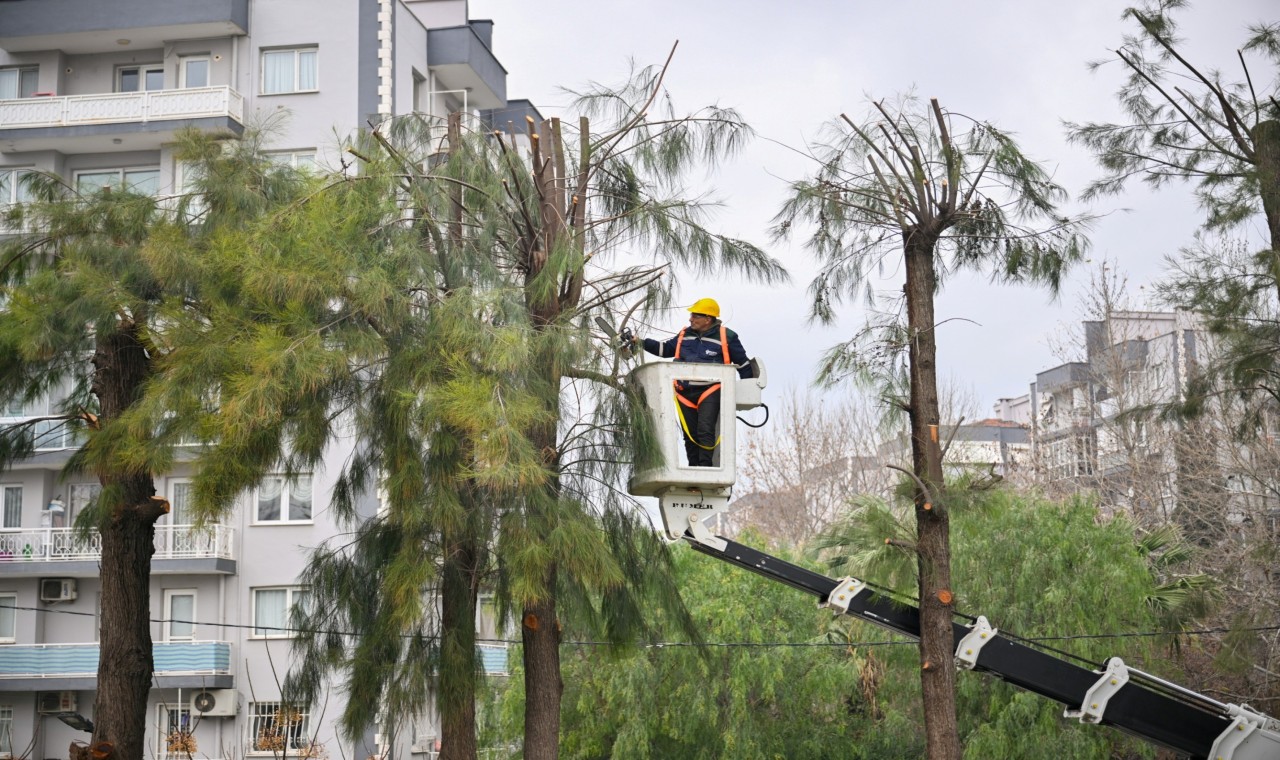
770 701
1203 127
1034 568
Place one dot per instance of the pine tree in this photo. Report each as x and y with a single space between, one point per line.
592 194
950 201
85 324
435 306
1220 132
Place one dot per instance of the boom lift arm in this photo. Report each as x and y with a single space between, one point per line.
1137 703
1134 702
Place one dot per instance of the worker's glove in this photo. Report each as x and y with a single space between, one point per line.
628 338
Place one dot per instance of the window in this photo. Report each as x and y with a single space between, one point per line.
82 496
139 78
6 730
18 82
144 180
278 728
8 618
193 71
12 188
176 732
271 608
295 159
13 408
292 70
282 500
11 517
179 614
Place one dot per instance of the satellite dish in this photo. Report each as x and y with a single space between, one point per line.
204 702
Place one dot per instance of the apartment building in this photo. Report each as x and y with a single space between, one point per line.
95 91
1081 436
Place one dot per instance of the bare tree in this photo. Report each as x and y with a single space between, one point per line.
799 474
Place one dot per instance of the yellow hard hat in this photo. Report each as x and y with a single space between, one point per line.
706 306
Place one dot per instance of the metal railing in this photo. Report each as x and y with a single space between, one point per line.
68 544
121 107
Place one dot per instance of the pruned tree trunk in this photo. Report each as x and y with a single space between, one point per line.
937 675
121 366
540 633
1266 139
460 590
540 624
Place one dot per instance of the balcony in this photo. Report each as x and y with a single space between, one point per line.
180 549
56 667
462 61
92 26
493 658
116 121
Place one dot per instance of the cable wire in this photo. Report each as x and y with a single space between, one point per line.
675 644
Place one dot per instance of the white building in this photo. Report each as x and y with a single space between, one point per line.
1080 432
95 91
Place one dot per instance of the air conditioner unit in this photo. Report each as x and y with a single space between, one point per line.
57 589
53 702
215 703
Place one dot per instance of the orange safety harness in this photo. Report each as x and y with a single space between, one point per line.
724 350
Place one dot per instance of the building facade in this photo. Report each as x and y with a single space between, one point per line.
1088 427
95 92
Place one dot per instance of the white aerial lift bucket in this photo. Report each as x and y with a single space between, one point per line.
691 496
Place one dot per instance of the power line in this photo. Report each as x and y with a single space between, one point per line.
678 644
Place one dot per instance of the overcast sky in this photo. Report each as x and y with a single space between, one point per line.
789 68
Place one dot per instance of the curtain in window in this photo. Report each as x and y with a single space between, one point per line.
82 495
300 499
269 499
9 80
179 507
182 607
270 612
307 70
277 71
13 507
6 729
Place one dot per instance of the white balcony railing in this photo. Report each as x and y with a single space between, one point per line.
121 107
66 544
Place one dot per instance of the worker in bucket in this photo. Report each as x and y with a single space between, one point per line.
706 340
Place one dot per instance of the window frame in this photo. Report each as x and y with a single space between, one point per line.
166 634
297 51
143 69
164 727
257 713
120 171
15 194
287 484
4 487
73 505
12 638
290 158
20 68
185 60
6 730
291 600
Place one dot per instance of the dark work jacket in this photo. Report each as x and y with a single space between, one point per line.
703 348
